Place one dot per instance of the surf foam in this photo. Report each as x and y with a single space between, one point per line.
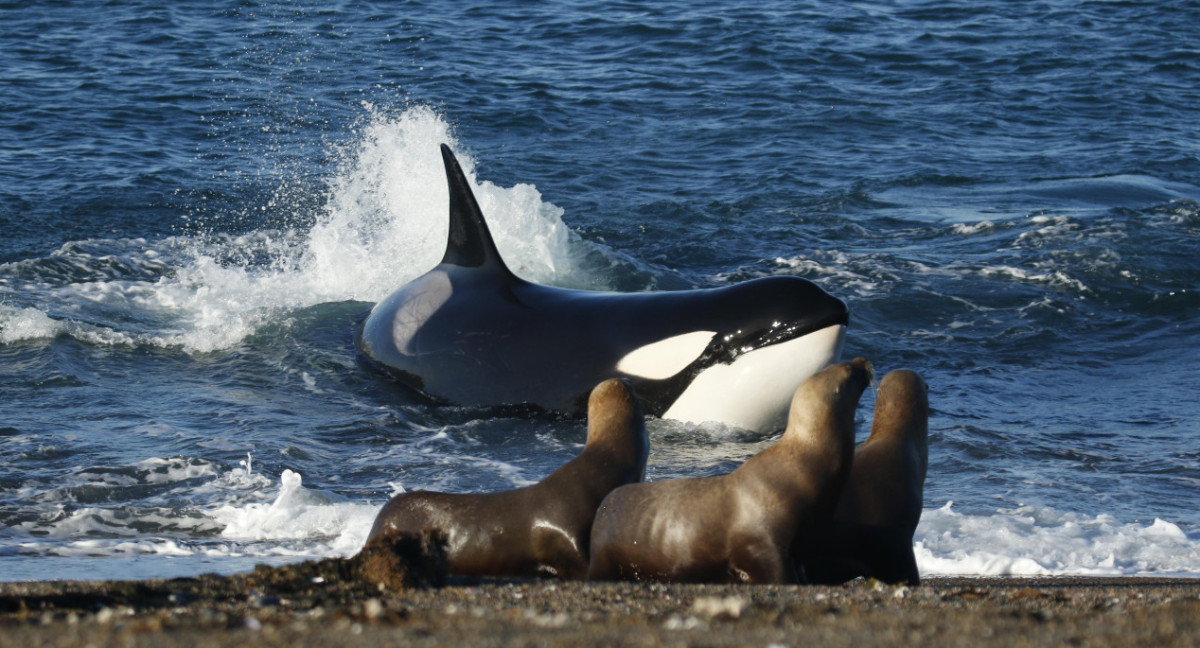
21 324
324 524
1033 541
257 518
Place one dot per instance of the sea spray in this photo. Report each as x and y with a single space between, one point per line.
383 223
385 220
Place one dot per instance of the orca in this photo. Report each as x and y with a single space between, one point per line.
470 332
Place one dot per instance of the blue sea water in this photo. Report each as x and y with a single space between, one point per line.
198 200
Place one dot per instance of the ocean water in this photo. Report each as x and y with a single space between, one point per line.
198 200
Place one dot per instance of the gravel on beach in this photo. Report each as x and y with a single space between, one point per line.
328 604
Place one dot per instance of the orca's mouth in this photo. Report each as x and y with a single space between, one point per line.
727 348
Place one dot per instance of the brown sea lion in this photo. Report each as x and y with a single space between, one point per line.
741 527
543 529
872 532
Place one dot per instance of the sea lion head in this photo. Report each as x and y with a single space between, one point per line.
903 399
616 424
827 400
902 413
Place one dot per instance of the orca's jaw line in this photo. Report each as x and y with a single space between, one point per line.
754 391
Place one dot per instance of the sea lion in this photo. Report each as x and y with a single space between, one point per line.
470 332
742 527
872 532
540 530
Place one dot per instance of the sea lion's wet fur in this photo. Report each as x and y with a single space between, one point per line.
872 531
543 529
747 525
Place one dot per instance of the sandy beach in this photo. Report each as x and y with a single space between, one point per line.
327 604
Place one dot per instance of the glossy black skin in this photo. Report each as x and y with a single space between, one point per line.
878 513
541 530
744 527
472 333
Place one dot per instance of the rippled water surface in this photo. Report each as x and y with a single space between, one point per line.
198 201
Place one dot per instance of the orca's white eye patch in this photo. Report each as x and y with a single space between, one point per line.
665 358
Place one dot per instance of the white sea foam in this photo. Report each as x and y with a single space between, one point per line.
1040 541
123 522
108 547
968 229
1056 278
832 269
20 324
287 521
384 223
168 471
323 523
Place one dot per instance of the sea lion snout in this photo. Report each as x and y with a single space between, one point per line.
834 391
613 392
614 412
862 370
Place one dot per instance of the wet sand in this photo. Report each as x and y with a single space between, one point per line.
325 603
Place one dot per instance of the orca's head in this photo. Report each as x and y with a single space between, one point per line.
741 360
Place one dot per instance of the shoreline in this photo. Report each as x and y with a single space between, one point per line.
311 604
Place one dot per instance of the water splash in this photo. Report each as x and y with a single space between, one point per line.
299 514
383 223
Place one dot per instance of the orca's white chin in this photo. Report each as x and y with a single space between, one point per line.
754 391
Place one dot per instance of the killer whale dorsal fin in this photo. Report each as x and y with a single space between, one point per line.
470 243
